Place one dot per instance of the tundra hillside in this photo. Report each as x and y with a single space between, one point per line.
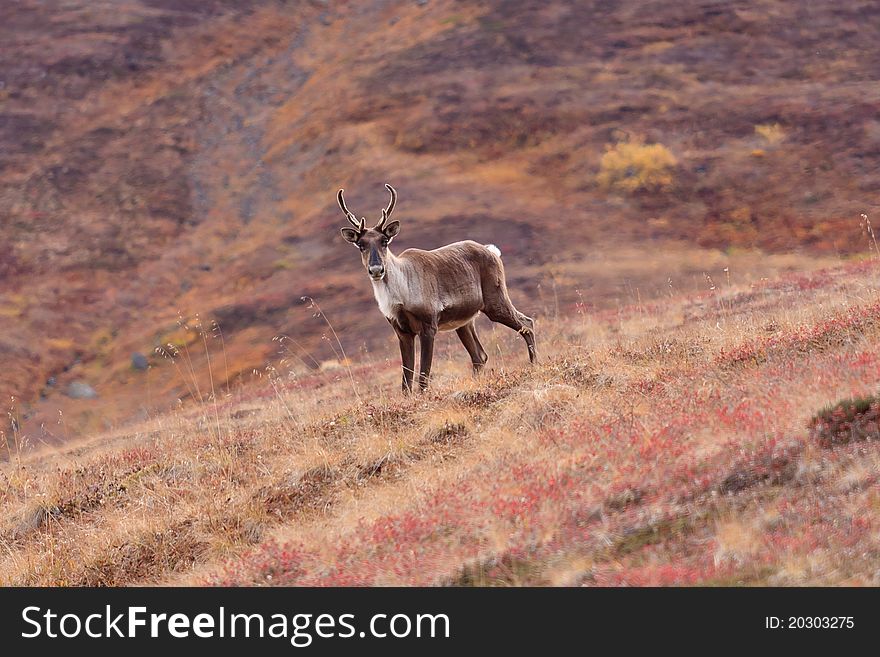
725 437
161 160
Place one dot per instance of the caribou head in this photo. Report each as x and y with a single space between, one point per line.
372 242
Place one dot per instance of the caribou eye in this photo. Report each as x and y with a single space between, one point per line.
385 242
361 246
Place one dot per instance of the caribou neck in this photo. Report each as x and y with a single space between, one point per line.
392 291
394 271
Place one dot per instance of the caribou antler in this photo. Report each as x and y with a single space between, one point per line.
354 221
387 211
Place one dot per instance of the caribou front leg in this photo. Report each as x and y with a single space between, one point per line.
407 359
426 339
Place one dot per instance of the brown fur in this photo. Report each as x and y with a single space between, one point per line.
422 292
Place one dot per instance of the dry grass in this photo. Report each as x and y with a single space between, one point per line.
634 452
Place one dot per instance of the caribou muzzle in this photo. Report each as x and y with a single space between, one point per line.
375 266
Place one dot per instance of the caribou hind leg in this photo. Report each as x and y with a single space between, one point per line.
506 314
468 336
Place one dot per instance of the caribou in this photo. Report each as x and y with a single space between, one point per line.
423 292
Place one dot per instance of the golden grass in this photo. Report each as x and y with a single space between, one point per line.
175 498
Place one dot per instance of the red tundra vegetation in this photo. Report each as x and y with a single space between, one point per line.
638 451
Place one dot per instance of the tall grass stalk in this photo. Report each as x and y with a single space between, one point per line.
313 305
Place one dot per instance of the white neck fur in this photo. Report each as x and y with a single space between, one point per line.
394 289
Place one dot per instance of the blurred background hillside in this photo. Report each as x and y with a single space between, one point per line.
166 163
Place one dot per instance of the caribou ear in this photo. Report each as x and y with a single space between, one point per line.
349 235
390 230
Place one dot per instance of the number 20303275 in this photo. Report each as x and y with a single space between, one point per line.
809 622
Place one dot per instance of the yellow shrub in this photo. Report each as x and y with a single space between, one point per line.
632 166
772 133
